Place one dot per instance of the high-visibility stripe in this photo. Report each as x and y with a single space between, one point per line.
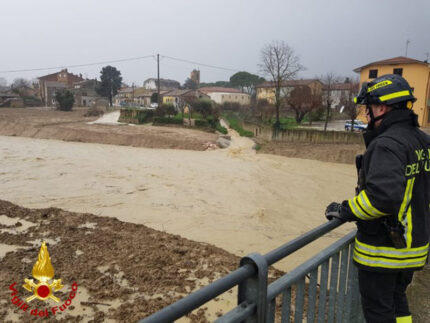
406 199
390 252
362 203
374 211
404 319
409 228
386 263
363 209
356 210
394 95
405 212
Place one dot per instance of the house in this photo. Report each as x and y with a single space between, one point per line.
142 96
223 95
416 72
50 83
175 97
151 84
85 92
50 89
124 97
340 91
10 99
266 90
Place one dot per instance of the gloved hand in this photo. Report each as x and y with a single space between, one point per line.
333 211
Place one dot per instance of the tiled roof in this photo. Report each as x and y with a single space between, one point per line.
76 78
125 90
289 83
340 86
211 89
392 61
177 92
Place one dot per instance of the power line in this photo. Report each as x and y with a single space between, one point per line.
202 64
79 65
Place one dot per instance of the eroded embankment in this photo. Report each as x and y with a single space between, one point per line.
124 271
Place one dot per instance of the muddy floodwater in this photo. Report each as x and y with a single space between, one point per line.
232 198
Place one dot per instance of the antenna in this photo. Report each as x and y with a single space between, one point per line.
407 45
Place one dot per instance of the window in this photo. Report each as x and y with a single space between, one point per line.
373 74
398 71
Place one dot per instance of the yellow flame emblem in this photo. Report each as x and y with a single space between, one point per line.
43 272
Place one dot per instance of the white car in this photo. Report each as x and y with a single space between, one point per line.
358 125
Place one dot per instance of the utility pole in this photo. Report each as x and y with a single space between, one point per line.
158 79
407 44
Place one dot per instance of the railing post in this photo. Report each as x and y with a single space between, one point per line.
254 289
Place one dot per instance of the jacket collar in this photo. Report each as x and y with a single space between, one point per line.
396 116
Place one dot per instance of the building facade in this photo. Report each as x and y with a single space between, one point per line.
51 83
266 90
85 92
416 72
178 97
221 95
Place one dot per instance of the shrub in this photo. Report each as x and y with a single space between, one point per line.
161 111
94 112
170 109
221 129
234 124
145 116
166 120
31 101
231 106
201 123
65 100
204 107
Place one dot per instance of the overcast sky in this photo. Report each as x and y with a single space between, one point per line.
329 36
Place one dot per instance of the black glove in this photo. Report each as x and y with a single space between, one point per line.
333 210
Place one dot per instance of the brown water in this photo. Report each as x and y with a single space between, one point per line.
232 198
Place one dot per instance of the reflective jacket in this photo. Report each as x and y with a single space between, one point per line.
394 188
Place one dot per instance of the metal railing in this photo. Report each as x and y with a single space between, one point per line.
324 288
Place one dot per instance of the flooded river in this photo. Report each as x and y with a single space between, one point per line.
232 198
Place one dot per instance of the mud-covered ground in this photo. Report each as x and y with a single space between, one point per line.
335 153
48 123
124 271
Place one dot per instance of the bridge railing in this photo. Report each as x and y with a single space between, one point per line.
323 289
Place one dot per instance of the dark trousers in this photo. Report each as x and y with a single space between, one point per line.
383 295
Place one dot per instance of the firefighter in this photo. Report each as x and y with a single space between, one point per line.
391 206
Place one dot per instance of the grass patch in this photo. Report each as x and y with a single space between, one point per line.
235 124
167 120
220 128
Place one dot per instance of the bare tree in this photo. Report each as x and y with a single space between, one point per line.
280 63
347 100
20 83
303 100
3 83
263 110
329 80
